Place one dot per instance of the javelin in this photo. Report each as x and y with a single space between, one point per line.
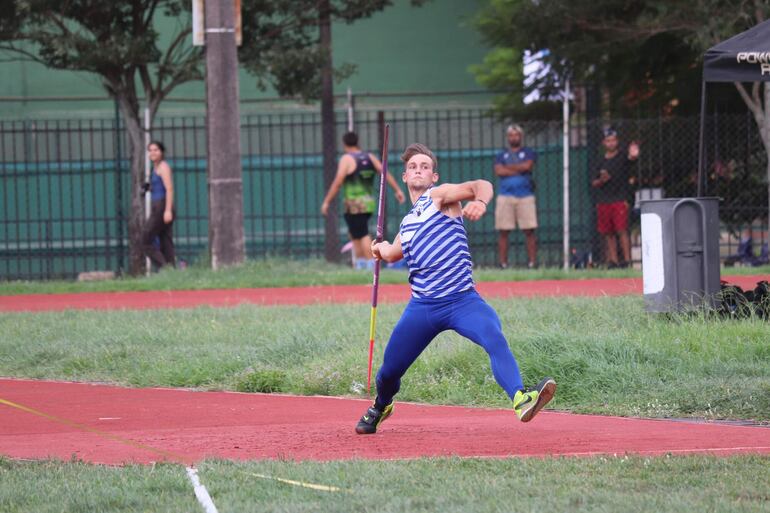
380 229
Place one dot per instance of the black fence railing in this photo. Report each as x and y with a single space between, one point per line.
65 184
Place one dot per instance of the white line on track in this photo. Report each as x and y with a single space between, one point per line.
200 491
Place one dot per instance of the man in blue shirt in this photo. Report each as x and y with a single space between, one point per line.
515 204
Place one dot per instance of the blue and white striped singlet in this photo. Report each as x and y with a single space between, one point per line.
435 247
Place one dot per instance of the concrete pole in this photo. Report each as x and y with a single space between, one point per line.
226 237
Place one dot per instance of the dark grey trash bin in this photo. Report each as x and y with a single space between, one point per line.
680 253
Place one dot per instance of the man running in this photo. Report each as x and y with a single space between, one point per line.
355 175
434 243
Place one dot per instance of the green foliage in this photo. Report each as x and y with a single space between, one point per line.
740 184
645 53
501 69
115 40
261 380
118 41
283 48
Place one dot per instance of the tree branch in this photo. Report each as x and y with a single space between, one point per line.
759 13
51 16
631 31
170 51
755 108
150 13
182 76
144 74
28 55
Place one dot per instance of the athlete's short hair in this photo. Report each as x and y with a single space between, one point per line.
419 149
350 139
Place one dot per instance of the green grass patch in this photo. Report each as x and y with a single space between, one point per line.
276 273
607 354
628 484
299 273
75 487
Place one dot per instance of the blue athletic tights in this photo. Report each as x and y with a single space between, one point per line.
464 312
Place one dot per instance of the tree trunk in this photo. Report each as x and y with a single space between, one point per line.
136 152
328 138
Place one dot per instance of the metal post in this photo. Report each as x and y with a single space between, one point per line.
147 164
119 186
565 171
350 110
700 139
766 140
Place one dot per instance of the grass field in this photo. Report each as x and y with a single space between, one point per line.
607 354
614 484
277 273
294 273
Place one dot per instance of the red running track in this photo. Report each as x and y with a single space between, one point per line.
313 295
146 425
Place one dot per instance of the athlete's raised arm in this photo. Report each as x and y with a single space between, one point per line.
478 193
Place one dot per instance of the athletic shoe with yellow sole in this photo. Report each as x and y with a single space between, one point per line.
526 404
372 419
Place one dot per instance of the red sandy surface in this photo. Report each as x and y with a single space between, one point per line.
312 295
180 425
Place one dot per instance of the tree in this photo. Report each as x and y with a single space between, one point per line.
293 52
640 50
615 45
119 41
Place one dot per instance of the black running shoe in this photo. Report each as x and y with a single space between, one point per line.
372 419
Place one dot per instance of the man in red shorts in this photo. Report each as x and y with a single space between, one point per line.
612 185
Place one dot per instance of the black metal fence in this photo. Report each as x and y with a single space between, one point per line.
65 184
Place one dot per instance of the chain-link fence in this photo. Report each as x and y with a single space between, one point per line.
735 165
65 184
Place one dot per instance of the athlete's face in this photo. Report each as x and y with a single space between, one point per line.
419 173
154 152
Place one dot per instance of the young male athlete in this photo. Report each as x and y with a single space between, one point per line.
434 243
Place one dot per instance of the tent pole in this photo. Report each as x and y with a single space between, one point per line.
700 139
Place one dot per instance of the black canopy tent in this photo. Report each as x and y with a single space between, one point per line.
742 58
